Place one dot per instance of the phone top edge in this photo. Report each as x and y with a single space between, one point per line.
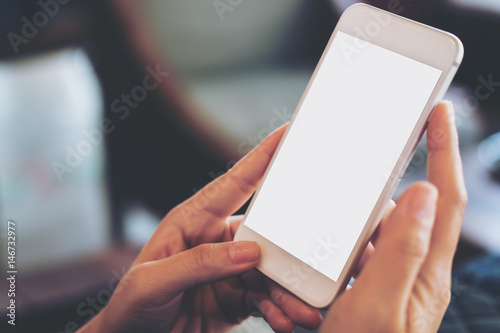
452 38
448 74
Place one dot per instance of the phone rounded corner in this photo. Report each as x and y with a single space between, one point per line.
323 302
355 7
458 47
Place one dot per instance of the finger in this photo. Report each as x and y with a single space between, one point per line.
229 294
367 254
254 280
385 217
402 247
370 248
202 264
295 309
260 303
231 226
445 172
226 194
234 222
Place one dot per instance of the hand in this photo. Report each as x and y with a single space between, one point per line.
405 284
190 277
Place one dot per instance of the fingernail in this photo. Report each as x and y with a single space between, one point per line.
243 252
423 204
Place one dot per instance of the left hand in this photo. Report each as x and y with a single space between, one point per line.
190 277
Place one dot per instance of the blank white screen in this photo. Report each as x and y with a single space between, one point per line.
346 139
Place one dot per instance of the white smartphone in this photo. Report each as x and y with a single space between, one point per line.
346 148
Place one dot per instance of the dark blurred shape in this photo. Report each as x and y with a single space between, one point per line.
477 23
31 26
230 70
475 298
164 150
489 155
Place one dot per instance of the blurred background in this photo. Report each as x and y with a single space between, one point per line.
114 111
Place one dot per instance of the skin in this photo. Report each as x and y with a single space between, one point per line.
191 277
405 284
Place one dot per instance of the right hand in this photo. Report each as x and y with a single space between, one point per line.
405 284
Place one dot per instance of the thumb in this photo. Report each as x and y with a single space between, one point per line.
202 264
402 246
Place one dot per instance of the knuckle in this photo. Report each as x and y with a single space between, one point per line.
413 248
133 276
458 198
446 296
463 199
437 283
204 255
443 290
173 213
278 296
435 292
139 273
243 184
132 281
445 279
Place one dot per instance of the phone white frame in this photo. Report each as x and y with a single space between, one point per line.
425 44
